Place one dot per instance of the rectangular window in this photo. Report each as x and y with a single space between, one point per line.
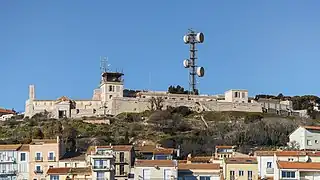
249 175
121 156
51 156
146 174
288 174
22 156
204 177
54 177
232 175
167 174
100 176
269 164
243 94
38 168
241 173
309 143
236 94
121 169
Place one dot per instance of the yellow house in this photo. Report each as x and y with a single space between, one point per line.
44 153
68 173
240 169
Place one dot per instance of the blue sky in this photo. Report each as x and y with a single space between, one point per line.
263 46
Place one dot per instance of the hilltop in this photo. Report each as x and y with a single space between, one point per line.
196 133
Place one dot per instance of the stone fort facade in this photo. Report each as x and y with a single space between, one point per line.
109 99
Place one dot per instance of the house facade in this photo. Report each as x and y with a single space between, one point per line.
156 169
102 162
306 137
297 170
68 173
44 154
8 161
23 162
240 169
73 160
199 171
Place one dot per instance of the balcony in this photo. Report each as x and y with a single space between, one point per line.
38 159
38 171
270 170
122 161
51 159
4 172
8 160
102 168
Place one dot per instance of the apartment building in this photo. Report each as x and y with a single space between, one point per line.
240 169
222 152
23 162
155 169
267 160
101 160
8 161
307 137
44 154
297 170
199 171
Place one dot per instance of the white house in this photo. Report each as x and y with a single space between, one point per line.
297 170
267 160
23 162
156 169
102 163
8 159
306 137
199 171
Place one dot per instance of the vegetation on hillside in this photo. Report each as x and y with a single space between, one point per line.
171 128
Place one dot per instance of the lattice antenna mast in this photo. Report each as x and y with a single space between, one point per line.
192 37
104 66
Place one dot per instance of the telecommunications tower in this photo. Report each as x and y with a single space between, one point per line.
192 38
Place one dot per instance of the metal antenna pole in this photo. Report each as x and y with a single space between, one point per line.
193 67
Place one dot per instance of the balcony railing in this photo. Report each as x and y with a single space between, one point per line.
38 159
52 159
8 160
119 160
270 170
8 172
38 171
102 167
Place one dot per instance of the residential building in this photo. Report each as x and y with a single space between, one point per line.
306 137
6 111
240 169
297 170
8 161
73 160
101 160
23 162
267 160
44 154
222 152
236 96
155 169
69 173
124 159
152 152
199 171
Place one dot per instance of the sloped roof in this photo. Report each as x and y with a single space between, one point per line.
69 170
154 149
9 147
24 147
198 166
288 153
45 141
298 165
312 127
241 161
113 147
151 163
7 111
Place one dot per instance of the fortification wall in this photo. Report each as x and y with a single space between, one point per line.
121 105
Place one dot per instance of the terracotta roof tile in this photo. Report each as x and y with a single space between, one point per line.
7 111
204 159
312 127
298 165
113 147
241 161
150 163
69 170
8 147
154 150
287 153
200 166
